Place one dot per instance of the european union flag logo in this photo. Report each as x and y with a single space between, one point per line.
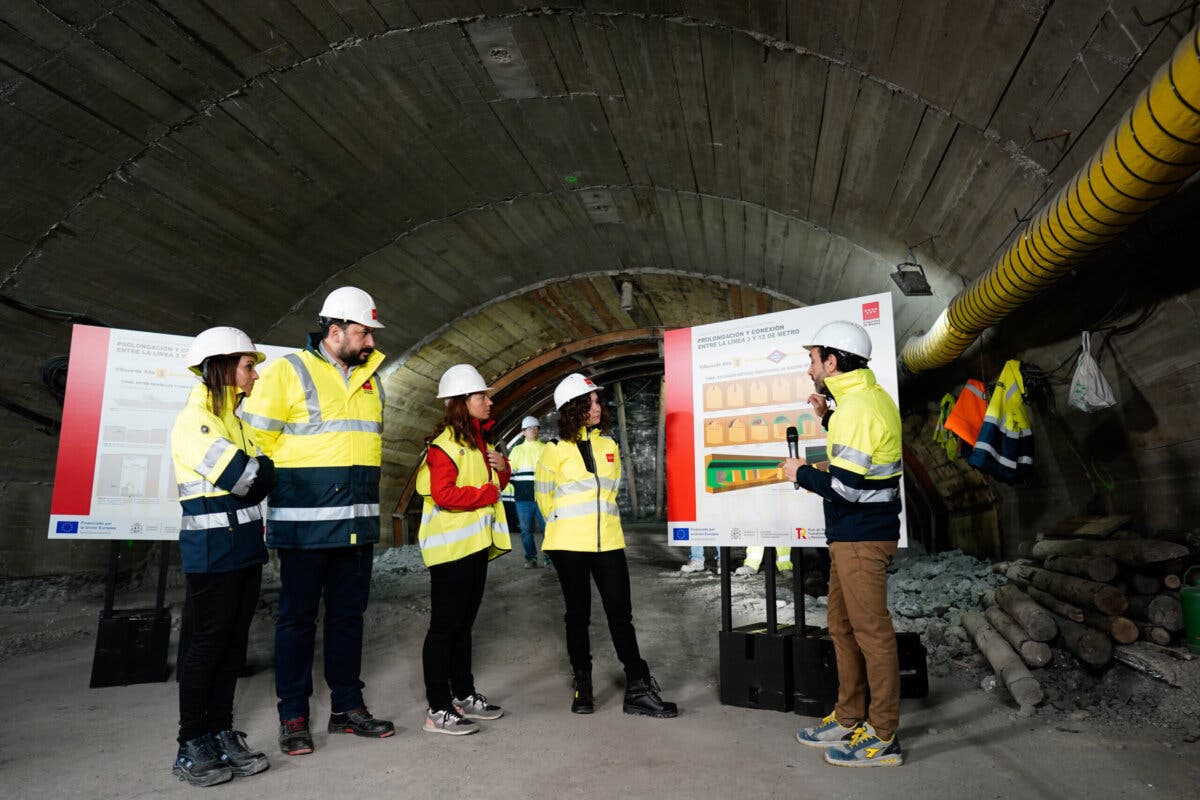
67 527
679 534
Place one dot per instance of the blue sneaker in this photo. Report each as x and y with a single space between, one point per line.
866 749
830 733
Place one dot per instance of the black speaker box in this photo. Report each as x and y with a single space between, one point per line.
131 647
756 668
815 678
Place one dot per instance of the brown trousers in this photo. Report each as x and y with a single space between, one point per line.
863 638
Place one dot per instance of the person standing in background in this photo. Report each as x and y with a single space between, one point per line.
524 459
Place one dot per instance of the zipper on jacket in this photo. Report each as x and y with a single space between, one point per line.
599 520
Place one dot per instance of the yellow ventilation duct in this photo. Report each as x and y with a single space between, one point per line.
1153 150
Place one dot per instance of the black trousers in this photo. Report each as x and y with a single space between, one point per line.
455 592
610 571
217 610
342 576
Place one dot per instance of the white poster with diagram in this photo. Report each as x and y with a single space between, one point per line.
115 476
733 390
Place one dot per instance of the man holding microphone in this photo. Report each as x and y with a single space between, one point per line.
862 526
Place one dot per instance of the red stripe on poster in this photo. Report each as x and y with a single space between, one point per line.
80 435
681 425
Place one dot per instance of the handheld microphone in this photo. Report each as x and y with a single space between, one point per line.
793 443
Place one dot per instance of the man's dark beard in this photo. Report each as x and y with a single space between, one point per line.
352 357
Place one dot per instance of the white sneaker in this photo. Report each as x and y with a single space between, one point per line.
745 570
693 565
477 707
450 722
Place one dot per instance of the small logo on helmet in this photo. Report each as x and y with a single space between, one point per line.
375 314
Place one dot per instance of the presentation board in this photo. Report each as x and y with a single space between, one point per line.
732 390
115 478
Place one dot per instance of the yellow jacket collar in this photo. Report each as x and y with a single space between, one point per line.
846 382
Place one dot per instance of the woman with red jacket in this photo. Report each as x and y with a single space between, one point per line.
462 528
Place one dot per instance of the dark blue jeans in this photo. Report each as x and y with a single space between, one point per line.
528 512
342 575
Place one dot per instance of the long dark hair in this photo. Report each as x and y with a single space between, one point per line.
217 373
458 420
574 415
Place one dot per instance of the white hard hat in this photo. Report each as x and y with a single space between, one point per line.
353 304
459 380
221 341
530 422
848 337
572 386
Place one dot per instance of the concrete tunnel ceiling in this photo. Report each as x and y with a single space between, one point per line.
490 172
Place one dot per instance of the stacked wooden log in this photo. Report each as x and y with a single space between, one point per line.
1086 595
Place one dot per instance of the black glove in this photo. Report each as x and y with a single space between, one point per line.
263 483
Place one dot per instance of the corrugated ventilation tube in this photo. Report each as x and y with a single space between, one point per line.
1149 154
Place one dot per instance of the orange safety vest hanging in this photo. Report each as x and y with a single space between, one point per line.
966 418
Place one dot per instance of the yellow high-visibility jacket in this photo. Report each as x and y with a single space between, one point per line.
862 488
580 507
524 459
326 438
221 483
447 535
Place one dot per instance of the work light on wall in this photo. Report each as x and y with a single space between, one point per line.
910 277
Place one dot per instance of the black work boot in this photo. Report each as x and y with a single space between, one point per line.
360 723
231 747
295 739
582 703
197 763
641 697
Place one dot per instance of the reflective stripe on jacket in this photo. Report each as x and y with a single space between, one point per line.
966 418
326 439
580 507
524 459
447 535
219 531
862 489
1005 445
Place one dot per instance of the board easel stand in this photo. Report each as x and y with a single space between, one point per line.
131 644
756 660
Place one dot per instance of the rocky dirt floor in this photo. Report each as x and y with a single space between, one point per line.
1100 735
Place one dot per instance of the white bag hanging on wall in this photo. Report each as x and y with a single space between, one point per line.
1089 390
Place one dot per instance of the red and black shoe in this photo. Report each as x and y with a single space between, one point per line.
295 739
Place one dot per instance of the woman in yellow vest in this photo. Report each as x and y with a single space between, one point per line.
221 483
576 489
462 528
